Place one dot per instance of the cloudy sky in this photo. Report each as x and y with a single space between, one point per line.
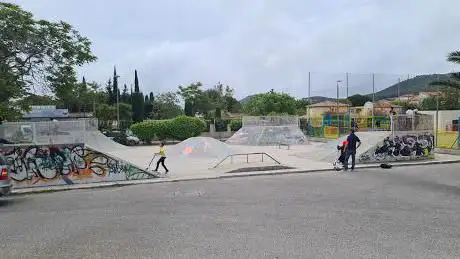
257 45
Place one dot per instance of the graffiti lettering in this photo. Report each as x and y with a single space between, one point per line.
65 164
401 147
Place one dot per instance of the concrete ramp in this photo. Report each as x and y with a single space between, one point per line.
401 146
66 164
327 152
100 142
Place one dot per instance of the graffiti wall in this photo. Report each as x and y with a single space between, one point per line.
65 164
403 146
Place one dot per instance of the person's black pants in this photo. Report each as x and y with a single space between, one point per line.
162 161
349 153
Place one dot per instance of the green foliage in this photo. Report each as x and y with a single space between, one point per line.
450 100
411 86
166 106
406 105
359 100
209 102
450 86
271 102
105 112
184 127
145 130
235 125
38 53
179 128
138 101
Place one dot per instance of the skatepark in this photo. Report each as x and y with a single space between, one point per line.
262 144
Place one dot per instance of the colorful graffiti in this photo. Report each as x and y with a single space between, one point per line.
65 164
406 146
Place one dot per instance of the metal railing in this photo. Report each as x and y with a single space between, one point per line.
262 154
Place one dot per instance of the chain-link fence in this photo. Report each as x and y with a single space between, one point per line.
47 132
422 122
250 121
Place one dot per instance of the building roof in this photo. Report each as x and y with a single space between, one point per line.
329 104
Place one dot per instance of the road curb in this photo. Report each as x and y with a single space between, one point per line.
37 190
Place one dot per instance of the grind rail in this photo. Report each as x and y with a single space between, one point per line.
262 154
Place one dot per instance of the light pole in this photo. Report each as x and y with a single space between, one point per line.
437 120
118 104
338 118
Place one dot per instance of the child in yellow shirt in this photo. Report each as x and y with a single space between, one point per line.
162 159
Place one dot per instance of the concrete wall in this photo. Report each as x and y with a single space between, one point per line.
32 166
402 146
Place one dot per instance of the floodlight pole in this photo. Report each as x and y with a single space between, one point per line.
338 118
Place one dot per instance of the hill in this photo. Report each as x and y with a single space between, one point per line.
411 86
315 99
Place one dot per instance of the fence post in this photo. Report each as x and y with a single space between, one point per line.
458 132
34 134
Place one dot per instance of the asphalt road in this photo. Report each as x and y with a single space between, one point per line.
409 212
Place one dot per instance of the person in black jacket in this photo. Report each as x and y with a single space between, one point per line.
353 143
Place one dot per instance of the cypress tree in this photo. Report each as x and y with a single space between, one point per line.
115 90
138 101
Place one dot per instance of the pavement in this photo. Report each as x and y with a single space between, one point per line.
404 212
206 172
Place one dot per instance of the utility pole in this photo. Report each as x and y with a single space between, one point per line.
309 96
347 83
437 120
399 93
348 107
373 99
338 117
118 104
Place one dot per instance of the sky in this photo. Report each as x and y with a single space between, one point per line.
258 45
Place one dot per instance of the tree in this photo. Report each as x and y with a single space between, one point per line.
151 97
166 106
301 105
106 112
138 101
271 102
209 102
125 96
37 53
148 107
451 86
126 112
109 90
359 100
115 98
191 95
406 105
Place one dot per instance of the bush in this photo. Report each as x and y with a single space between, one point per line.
235 125
184 127
145 130
179 128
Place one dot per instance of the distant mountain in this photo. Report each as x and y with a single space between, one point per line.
411 86
314 99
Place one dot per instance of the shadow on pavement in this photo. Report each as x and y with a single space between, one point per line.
11 200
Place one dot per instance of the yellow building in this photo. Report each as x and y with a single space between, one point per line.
319 109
